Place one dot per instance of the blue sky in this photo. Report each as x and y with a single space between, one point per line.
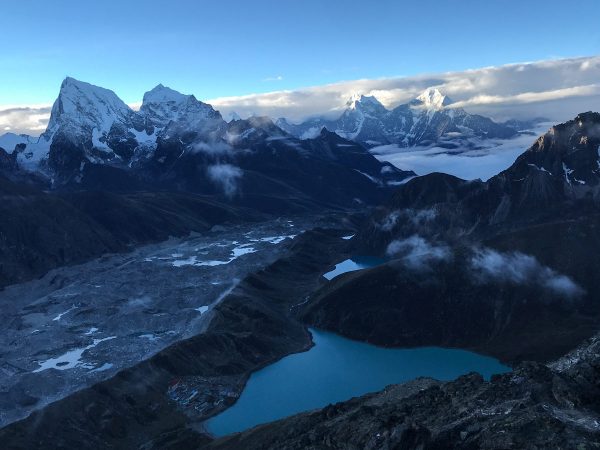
222 48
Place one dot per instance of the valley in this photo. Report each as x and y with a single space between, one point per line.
82 324
156 263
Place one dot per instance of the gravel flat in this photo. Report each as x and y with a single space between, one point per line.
79 325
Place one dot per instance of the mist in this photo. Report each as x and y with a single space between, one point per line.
225 176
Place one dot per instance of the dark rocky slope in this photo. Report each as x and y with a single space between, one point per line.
40 231
264 162
506 267
556 178
446 305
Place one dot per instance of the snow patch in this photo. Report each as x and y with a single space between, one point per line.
57 318
70 359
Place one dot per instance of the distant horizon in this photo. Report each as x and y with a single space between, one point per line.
510 91
296 59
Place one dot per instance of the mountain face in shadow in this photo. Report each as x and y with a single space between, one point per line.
513 257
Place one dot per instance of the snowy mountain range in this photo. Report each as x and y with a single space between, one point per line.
94 140
99 127
429 119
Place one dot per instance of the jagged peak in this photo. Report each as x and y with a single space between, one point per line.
70 81
235 116
83 103
260 121
432 98
163 94
163 105
71 86
584 129
357 100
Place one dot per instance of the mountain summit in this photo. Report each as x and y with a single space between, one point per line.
432 99
84 105
424 121
359 101
162 105
95 141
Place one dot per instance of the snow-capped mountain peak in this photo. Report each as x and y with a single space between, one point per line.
432 98
232 116
163 94
163 105
357 101
86 106
424 121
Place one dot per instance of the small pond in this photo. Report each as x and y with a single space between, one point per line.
355 263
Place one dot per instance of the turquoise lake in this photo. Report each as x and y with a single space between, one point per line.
337 369
355 263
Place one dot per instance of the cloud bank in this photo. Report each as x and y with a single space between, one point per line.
556 89
24 119
484 162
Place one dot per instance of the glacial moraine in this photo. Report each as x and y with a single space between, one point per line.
82 324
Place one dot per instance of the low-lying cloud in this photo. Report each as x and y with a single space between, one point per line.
485 161
211 148
519 268
417 217
226 176
416 252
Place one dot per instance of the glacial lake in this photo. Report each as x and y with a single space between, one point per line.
355 263
337 369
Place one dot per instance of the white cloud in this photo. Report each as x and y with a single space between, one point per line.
418 217
416 252
490 158
212 148
276 78
557 89
28 119
226 177
519 268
